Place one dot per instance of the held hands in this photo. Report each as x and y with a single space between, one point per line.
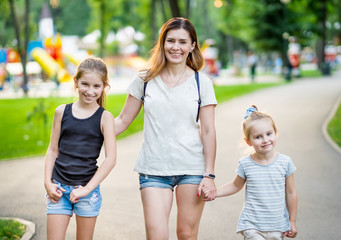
208 189
78 193
54 192
292 232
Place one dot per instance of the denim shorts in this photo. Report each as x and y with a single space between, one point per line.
167 181
88 206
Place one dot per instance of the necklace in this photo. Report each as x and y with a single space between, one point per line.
177 81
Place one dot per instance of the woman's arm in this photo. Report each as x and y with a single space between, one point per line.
208 137
129 112
108 128
291 200
52 190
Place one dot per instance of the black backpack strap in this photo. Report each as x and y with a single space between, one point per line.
144 91
199 100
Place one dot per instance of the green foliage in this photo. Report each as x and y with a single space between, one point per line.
20 137
225 93
310 73
37 119
71 17
11 230
7 34
258 23
334 127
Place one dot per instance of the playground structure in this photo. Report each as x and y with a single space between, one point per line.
46 60
51 67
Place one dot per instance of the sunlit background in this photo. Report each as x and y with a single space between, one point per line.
53 36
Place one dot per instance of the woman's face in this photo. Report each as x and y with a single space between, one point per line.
177 46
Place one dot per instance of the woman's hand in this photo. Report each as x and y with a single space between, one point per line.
208 188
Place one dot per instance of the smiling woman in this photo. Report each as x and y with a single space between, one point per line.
178 152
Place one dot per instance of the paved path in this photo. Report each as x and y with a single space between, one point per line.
299 110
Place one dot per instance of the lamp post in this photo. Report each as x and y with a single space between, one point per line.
285 37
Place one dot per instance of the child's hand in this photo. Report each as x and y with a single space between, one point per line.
78 193
292 232
54 192
208 188
207 191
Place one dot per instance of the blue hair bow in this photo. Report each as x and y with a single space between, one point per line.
249 111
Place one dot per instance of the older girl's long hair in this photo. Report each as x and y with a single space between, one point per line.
157 61
92 64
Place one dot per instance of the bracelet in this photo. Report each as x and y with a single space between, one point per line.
209 175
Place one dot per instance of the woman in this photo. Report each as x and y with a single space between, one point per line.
177 152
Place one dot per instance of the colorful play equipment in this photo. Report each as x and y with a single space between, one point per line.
50 65
210 53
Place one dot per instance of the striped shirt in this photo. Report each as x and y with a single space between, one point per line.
265 206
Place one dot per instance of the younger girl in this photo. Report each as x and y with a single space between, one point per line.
270 196
72 177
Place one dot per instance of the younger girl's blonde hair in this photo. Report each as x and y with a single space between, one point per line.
253 114
90 65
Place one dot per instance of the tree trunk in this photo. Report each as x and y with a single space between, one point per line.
323 37
175 8
22 51
165 18
153 21
207 32
188 9
102 27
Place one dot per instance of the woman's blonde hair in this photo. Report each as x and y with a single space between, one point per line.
253 114
93 64
157 61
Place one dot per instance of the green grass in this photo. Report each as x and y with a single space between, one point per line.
310 73
10 229
225 93
26 123
334 127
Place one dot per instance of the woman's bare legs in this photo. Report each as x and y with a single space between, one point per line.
190 208
157 204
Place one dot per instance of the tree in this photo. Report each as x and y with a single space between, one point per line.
174 5
22 48
71 17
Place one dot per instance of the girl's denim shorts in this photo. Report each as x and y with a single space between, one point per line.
88 206
167 181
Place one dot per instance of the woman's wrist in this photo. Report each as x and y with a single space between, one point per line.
209 175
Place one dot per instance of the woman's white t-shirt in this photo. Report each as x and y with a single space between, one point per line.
172 143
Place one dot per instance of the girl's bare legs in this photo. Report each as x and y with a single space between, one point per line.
190 208
157 204
56 226
85 227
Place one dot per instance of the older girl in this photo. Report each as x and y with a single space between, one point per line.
72 177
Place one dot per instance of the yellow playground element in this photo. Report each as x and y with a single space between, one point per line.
50 66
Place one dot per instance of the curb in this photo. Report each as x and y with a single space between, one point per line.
325 125
30 227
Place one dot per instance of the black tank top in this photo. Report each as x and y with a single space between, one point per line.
79 146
